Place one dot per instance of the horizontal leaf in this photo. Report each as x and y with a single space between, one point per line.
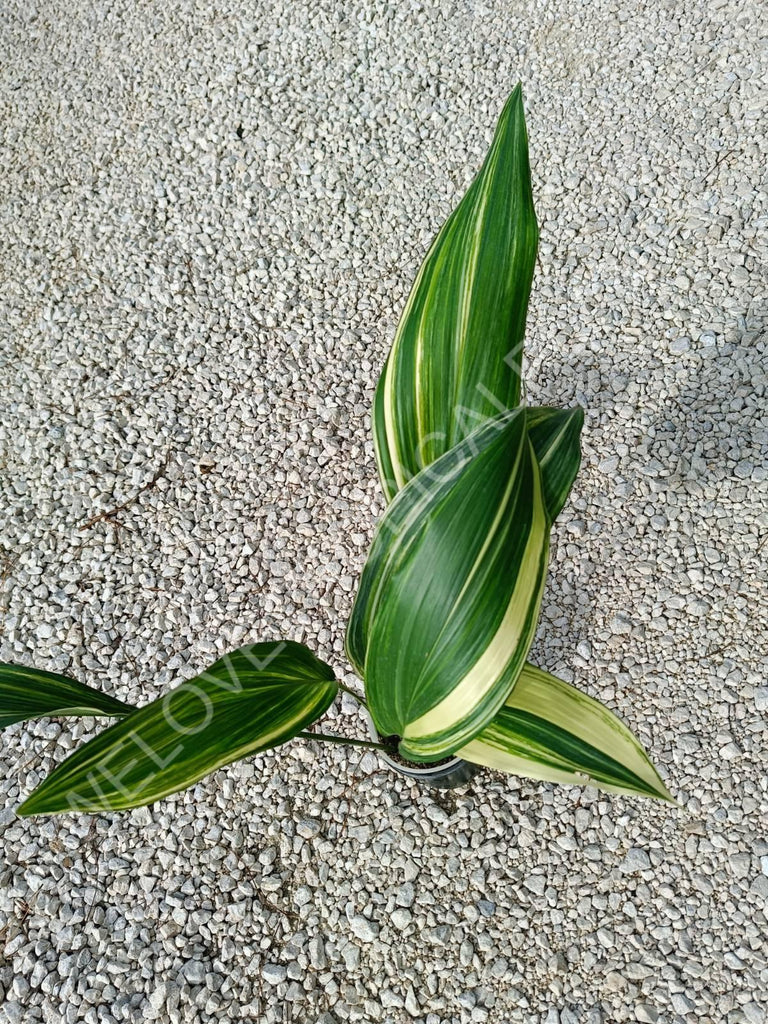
455 360
549 730
32 693
250 700
450 594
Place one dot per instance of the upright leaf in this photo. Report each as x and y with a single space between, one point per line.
555 436
32 693
552 731
449 596
456 356
250 700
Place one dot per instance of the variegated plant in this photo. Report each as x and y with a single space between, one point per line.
449 598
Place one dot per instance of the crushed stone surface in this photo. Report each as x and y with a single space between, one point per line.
210 217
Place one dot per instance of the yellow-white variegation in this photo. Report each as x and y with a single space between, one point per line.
455 362
27 693
252 699
549 730
456 357
449 597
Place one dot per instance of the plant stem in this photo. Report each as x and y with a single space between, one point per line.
340 739
358 698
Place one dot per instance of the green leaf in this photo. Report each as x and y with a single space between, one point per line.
250 700
455 361
555 435
31 693
552 731
450 594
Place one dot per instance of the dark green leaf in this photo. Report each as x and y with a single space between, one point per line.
32 693
449 597
455 361
250 700
555 436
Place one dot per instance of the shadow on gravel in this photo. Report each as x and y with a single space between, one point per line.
687 484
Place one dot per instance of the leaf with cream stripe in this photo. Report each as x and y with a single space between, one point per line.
555 435
549 730
450 594
27 693
458 345
250 700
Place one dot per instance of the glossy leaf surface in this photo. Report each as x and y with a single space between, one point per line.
456 357
549 730
250 700
449 597
27 693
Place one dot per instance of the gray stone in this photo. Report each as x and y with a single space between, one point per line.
754 1012
401 917
363 929
411 1003
405 895
635 860
681 1004
14 1011
273 974
194 972
317 957
307 828
158 996
646 1013
535 884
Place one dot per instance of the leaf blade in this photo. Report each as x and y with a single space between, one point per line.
551 731
28 693
458 346
449 596
556 438
250 700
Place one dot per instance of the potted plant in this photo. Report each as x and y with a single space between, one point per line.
449 597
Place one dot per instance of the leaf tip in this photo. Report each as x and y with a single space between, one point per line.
26 809
40 803
666 797
513 107
577 414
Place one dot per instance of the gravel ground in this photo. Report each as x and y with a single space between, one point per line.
210 217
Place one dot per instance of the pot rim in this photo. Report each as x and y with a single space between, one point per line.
428 771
